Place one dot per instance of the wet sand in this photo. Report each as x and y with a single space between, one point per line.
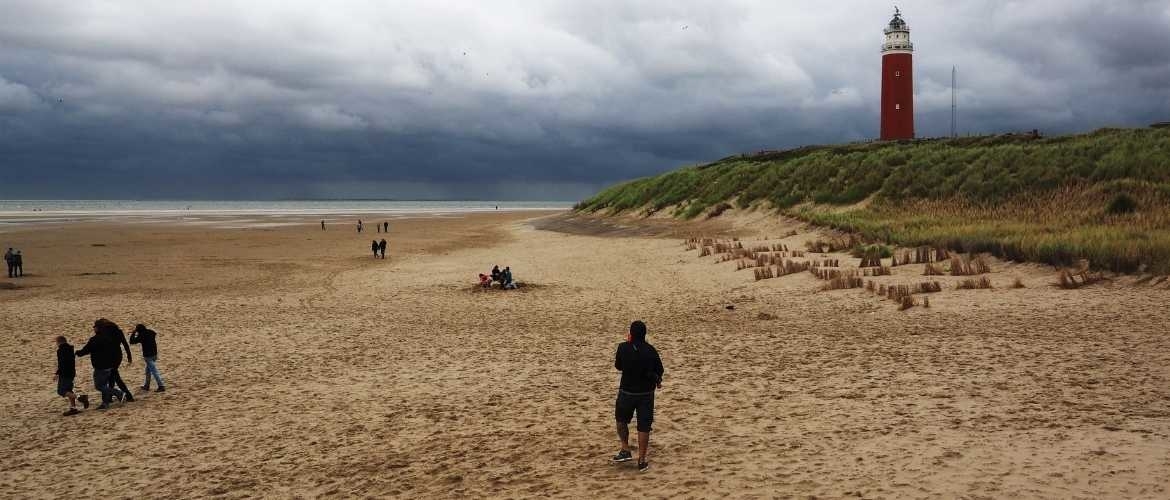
299 366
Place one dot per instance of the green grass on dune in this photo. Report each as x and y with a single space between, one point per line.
1054 200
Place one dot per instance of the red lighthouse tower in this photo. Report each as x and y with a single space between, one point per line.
897 81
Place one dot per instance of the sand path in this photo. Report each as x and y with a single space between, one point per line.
327 375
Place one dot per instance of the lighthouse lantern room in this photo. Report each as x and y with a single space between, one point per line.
897 81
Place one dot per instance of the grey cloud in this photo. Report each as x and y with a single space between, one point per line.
528 99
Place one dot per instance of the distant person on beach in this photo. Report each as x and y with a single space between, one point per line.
118 341
66 372
10 260
18 264
485 281
100 350
146 337
359 225
641 374
386 227
374 247
322 224
382 247
497 276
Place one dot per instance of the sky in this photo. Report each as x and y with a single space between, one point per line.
521 100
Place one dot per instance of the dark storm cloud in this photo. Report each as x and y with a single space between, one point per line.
540 99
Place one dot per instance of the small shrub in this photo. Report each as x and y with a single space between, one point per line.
1121 204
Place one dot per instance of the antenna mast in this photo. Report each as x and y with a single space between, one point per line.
954 104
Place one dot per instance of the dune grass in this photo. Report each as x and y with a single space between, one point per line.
1103 196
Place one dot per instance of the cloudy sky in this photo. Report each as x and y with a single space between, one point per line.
540 99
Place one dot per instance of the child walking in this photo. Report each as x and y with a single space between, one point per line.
66 372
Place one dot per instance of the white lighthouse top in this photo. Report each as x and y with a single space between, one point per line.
897 36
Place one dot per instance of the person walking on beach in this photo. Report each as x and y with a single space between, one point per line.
322 224
100 350
359 225
382 247
10 260
146 337
386 227
118 341
374 247
641 374
66 372
18 264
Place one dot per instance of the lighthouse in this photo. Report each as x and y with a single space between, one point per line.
897 81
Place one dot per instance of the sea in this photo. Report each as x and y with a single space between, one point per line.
14 213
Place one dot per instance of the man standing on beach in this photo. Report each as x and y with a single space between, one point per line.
322 224
9 258
382 247
386 227
18 264
642 371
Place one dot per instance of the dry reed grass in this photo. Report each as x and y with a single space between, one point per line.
968 265
878 271
974 284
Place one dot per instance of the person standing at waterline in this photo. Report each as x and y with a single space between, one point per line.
146 337
642 371
10 260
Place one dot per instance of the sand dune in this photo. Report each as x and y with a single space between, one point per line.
298 366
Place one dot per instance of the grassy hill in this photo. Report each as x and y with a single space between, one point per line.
1102 196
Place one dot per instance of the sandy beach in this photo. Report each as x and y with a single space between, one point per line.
298 366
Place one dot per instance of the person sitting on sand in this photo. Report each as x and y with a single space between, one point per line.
9 259
507 282
496 275
382 247
485 281
146 337
642 371
100 350
374 247
66 372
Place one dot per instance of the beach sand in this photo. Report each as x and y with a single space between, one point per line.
299 366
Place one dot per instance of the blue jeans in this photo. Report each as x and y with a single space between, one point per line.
152 370
101 382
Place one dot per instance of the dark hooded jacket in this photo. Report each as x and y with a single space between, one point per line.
66 362
117 342
145 336
640 366
100 350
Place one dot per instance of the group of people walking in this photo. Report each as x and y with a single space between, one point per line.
378 247
15 262
384 227
104 349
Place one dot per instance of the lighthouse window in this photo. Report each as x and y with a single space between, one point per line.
897 73
897 106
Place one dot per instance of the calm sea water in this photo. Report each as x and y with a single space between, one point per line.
180 207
